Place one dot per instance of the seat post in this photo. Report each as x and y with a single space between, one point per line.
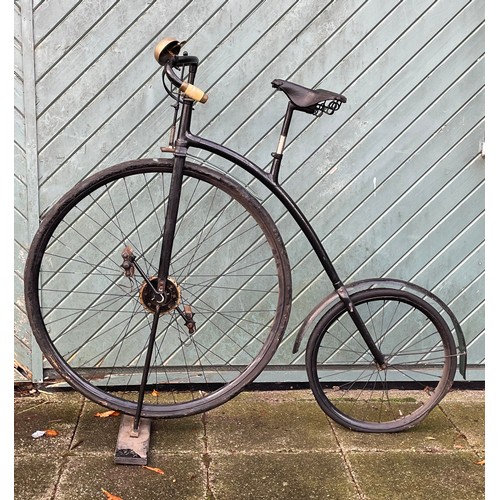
278 155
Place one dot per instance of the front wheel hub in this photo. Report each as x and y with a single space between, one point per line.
168 300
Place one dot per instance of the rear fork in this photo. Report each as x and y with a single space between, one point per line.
378 357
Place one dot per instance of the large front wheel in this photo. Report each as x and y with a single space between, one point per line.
420 362
92 271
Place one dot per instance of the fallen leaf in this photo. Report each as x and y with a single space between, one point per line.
481 462
154 469
155 393
110 496
51 433
430 438
110 413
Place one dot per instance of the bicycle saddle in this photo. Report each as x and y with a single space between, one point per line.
302 97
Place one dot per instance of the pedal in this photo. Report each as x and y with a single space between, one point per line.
189 321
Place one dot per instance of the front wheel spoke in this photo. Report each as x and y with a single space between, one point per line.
76 315
102 331
193 263
111 334
233 323
232 315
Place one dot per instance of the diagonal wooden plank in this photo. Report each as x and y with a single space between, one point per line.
48 15
74 60
388 182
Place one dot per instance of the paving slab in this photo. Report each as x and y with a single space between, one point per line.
436 432
85 477
36 476
178 435
95 434
392 475
299 476
252 423
58 412
469 417
261 445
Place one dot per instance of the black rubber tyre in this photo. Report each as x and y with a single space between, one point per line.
420 356
92 321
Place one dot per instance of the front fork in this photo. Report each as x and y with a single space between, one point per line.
163 271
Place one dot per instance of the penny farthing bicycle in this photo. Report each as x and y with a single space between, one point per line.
168 276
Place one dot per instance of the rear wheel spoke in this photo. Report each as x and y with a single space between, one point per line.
420 356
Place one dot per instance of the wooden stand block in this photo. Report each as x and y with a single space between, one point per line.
132 448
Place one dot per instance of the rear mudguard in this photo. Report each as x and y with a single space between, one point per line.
358 286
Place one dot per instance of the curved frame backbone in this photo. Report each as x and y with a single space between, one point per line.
271 182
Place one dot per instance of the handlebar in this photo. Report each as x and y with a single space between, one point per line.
189 89
166 53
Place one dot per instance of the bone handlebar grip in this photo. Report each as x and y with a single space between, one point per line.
194 92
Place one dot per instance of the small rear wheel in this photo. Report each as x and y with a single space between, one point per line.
420 362
93 267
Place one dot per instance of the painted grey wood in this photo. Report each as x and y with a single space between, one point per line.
393 182
22 339
22 205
